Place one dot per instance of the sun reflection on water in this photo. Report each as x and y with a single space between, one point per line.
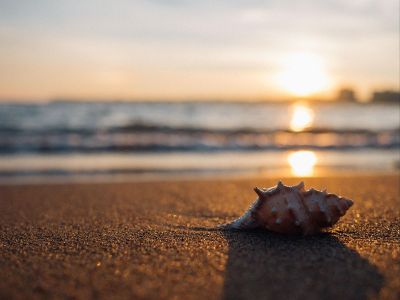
302 117
302 163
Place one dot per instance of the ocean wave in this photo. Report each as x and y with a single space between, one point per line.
191 127
152 137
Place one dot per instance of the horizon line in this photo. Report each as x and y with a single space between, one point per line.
249 99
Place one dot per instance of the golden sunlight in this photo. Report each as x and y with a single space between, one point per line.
302 117
303 74
302 163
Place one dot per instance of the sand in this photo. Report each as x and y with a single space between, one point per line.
156 241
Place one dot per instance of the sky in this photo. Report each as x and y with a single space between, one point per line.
196 50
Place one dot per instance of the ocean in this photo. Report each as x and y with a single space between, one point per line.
90 139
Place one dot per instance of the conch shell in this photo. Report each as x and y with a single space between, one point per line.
292 210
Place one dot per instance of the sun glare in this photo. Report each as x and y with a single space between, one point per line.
302 163
303 74
302 117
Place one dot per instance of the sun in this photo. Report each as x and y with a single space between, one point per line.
303 74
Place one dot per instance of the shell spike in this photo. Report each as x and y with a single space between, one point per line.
280 185
259 191
300 186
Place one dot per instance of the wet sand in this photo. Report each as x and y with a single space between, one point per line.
157 240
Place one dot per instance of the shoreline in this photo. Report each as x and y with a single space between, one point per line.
22 169
187 176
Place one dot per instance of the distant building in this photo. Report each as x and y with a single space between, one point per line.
386 97
346 94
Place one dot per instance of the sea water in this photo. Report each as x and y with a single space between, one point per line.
64 139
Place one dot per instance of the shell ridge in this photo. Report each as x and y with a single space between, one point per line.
308 222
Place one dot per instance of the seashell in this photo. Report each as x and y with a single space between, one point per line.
292 210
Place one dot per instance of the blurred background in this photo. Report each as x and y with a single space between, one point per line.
139 89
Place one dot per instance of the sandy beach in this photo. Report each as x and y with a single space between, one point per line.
157 240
